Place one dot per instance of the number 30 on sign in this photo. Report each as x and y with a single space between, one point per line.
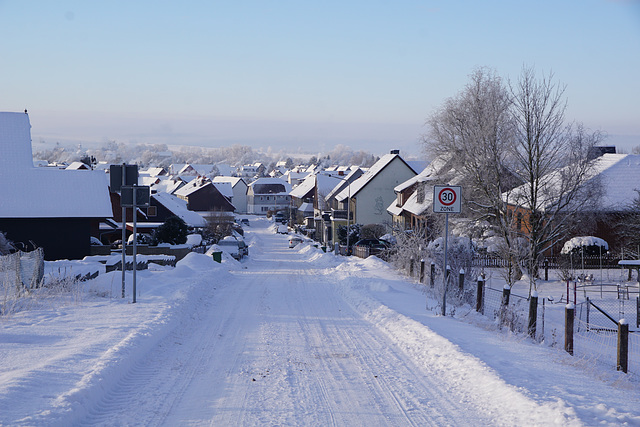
446 198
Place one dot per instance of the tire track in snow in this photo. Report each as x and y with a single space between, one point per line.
476 386
393 381
150 391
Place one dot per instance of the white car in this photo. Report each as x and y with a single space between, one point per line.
294 241
234 247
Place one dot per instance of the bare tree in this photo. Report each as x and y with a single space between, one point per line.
523 169
552 160
475 130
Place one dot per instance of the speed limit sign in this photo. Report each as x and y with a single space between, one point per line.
446 198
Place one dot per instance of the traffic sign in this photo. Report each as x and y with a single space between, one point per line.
142 196
446 198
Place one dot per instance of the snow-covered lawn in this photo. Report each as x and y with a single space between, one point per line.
288 337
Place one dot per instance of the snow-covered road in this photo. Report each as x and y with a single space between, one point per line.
278 345
287 337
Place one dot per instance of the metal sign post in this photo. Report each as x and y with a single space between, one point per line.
135 196
119 176
446 199
124 230
135 242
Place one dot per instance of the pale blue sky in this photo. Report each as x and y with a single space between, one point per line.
300 74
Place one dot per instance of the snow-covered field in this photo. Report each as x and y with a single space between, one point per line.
287 337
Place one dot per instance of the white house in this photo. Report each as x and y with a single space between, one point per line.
239 191
371 194
268 194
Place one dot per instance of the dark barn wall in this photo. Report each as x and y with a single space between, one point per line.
61 238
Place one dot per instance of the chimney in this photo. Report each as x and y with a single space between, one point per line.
395 151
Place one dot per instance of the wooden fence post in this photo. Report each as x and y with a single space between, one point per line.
432 277
411 262
461 280
623 346
546 270
533 314
569 313
480 295
506 293
422 270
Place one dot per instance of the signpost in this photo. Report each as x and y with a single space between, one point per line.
446 199
121 179
135 197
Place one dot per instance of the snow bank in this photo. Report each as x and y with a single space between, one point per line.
477 384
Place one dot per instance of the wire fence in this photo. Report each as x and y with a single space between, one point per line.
595 325
20 272
514 315
596 331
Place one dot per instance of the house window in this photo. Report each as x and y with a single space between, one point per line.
152 211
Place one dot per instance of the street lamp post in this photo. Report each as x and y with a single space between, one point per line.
348 208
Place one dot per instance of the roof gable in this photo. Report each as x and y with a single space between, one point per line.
373 171
44 192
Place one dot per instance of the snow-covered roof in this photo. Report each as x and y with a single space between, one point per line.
268 185
203 169
618 173
422 198
179 207
344 182
153 171
361 182
226 170
233 180
168 185
326 183
74 166
192 187
147 180
44 192
225 188
306 208
302 189
430 171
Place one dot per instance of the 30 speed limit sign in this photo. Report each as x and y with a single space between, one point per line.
446 198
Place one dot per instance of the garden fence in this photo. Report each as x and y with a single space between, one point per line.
19 273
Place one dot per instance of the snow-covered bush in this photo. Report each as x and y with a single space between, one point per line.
372 231
354 233
173 231
585 245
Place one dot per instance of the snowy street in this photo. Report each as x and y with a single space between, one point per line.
286 337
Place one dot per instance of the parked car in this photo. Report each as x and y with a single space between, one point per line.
375 246
234 247
282 229
294 240
279 217
244 221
